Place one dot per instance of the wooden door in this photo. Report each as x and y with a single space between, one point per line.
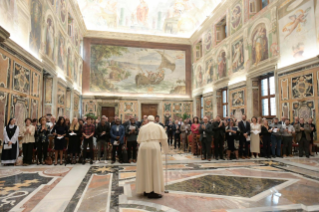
108 112
149 109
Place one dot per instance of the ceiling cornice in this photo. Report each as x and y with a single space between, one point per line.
78 16
208 23
136 37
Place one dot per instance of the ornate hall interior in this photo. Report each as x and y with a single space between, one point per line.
217 64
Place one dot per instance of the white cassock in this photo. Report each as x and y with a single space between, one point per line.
149 175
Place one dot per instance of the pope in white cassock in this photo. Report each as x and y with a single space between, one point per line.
149 175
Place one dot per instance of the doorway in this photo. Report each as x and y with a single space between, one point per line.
149 109
109 112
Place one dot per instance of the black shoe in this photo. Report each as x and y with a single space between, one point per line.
83 163
307 156
113 162
222 158
216 158
153 195
91 162
274 156
146 194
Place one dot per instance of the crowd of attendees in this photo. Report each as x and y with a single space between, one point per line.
229 138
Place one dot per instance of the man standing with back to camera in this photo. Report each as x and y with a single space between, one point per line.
149 174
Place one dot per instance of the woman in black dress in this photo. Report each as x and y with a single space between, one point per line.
266 131
74 139
59 131
10 147
42 141
231 135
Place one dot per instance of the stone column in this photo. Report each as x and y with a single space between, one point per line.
255 97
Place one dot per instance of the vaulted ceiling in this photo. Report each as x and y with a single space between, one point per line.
173 18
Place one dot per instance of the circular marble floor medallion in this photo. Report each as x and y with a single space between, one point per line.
57 170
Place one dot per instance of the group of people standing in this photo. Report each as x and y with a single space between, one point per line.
70 138
246 139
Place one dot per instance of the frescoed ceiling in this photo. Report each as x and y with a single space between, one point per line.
177 18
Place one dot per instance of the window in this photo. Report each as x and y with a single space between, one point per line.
268 96
221 30
264 3
256 5
198 50
224 103
201 107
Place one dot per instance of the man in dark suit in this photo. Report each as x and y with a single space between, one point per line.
170 129
303 138
206 139
157 121
244 127
313 130
128 122
177 135
219 137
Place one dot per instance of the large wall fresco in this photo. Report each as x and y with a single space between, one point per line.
43 30
248 45
297 31
165 17
118 69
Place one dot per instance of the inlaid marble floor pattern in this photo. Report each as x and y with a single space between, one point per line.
192 184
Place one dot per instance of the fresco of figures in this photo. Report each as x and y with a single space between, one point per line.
147 16
238 55
221 64
49 38
236 17
61 52
36 19
297 31
155 71
259 44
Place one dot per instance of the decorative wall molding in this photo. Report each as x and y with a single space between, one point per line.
4 35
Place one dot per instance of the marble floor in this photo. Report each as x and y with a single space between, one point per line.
290 184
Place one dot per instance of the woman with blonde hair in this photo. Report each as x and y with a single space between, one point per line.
74 139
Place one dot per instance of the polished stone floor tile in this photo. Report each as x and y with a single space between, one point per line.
225 185
289 184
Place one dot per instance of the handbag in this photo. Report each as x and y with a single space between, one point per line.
48 160
236 144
